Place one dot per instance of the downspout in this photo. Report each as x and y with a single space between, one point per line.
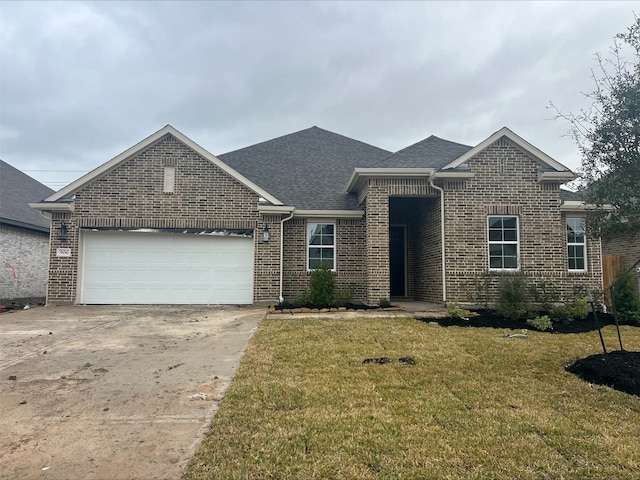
281 298
444 274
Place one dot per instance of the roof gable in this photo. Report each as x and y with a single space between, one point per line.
538 155
145 144
16 191
432 152
306 169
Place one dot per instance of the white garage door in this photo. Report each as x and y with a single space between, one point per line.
166 268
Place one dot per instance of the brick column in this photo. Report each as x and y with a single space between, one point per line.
377 252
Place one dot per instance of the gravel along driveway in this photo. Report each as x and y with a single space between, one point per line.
113 392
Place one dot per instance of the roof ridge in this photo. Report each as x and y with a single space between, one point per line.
312 128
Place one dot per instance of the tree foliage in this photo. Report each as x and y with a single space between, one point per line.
608 137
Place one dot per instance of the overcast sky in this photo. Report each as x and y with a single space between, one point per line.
81 82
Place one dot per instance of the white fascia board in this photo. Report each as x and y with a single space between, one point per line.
557 176
274 209
359 175
53 206
146 143
329 213
516 139
453 175
580 206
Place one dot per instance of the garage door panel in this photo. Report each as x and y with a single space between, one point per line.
148 268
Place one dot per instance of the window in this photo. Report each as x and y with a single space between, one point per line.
576 245
504 245
169 179
322 245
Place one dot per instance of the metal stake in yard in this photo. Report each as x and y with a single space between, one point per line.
615 317
597 322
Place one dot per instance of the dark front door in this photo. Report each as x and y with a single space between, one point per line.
397 261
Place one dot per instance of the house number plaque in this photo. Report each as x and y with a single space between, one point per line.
63 252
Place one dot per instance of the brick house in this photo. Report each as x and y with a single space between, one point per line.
24 238
168 222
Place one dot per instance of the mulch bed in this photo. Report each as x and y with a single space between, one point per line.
619 370
490 319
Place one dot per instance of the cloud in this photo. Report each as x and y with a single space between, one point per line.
81 82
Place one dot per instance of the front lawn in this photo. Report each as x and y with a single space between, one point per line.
475 405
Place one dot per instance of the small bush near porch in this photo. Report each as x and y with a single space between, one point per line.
475 405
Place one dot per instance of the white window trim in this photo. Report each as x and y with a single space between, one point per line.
517 243
583 244
335 241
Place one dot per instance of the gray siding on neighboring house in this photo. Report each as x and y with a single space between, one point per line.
23 252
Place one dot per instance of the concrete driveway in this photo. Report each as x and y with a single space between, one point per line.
113 392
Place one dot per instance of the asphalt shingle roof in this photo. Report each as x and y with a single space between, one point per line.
17 190
308 169
432 152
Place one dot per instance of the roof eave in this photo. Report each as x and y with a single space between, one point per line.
329 213
360 175
47 206
452 175
563 177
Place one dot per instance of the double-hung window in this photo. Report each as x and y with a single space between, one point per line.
576 245
504 247
321 242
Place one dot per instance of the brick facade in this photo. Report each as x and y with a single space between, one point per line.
350 256
132 196
506 182
23 253
503 180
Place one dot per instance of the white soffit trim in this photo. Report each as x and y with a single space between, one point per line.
558 176
53 206
580 206
329 213
359 175
453 175
148 142
274 209
516 139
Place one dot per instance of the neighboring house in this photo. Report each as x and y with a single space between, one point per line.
627 249
24 238
168 222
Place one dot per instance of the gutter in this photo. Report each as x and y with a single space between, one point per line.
444 275
286 219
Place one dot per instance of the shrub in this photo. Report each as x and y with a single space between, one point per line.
545 294
575 309
513 296
541 323
625 298
322 286
343 296
481 285
455 311
385 303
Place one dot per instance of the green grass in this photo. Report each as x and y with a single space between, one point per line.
476 406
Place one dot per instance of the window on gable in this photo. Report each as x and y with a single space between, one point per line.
576 245
321 242
504 246
169 179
